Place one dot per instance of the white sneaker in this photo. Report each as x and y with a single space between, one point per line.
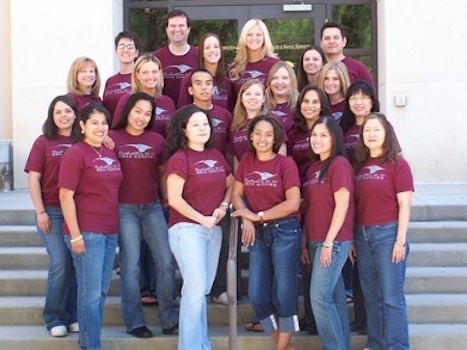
221 299
73 328
59 331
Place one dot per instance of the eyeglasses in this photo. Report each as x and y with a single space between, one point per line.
363 98
125 46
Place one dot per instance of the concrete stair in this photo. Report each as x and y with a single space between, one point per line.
435 285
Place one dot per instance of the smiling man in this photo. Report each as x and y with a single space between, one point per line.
178 57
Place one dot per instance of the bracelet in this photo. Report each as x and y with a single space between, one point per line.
76 239
224 205
327 245
42 212
401 243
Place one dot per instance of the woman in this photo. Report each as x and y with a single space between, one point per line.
309 66
199 185
84 83
383 194
255 54
282 94
211 58
328 212
360 101
60 310
270 184
312 103
141 152
334 81
89 181
148 77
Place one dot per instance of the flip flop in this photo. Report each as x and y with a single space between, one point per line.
253 327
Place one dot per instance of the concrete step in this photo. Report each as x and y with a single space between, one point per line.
438 231
436 279
437 308
17 216
438 254
23 258
422 337
19 236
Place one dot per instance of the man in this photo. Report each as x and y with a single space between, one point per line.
333 41
201 88
126 51
178 57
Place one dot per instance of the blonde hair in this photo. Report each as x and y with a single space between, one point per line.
136 85
240 114
293 89
241 58
72 79
341 71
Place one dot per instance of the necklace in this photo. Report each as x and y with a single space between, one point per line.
98 152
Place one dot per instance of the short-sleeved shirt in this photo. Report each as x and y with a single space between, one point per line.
139 157
318 199
298 147
265 183
222 96
175 67
376 187
358 71
238 141
115 87
221 120
255 70
205 176
82 101
351 138
45 157
283 113
337 110
95 181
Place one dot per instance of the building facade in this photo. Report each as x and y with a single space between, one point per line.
408 45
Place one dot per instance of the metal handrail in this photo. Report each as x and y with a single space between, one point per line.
232 283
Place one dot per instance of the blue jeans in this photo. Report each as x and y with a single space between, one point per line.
273 266
382 284
196 249
327 294
61 297
146 222
93 273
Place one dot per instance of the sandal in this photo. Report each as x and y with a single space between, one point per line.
148 299
253 327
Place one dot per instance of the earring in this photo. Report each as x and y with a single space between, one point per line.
82 131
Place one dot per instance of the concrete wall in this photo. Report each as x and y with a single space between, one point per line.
421 56
419 45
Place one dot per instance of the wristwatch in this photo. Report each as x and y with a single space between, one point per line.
261 216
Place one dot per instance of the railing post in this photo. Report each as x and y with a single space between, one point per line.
232 283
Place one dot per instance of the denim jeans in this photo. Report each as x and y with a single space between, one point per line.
61 296
94 273
147 276
196 249
382 284
273 266
327 294
146 222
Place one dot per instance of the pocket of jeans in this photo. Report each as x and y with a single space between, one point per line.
290 227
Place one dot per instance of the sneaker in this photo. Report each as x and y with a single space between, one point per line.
170 330
141 332
59 331
73 328
221 299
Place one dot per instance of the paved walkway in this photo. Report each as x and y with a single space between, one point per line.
425 194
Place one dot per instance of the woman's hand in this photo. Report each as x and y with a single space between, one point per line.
209 221
246 214
248 233
353 255
219 213
325 258
43 222
305 256
398 253
78 246
109 143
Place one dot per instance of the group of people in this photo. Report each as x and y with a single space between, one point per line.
312 169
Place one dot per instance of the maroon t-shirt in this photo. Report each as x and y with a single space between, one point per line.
376 187
239 142
44 158
298 147
222 96
318 199
115 87
337 109
255 70
283 113
175 67
351 138
96 183
265 182
139 157
205 176
221 120
358 71
82 101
